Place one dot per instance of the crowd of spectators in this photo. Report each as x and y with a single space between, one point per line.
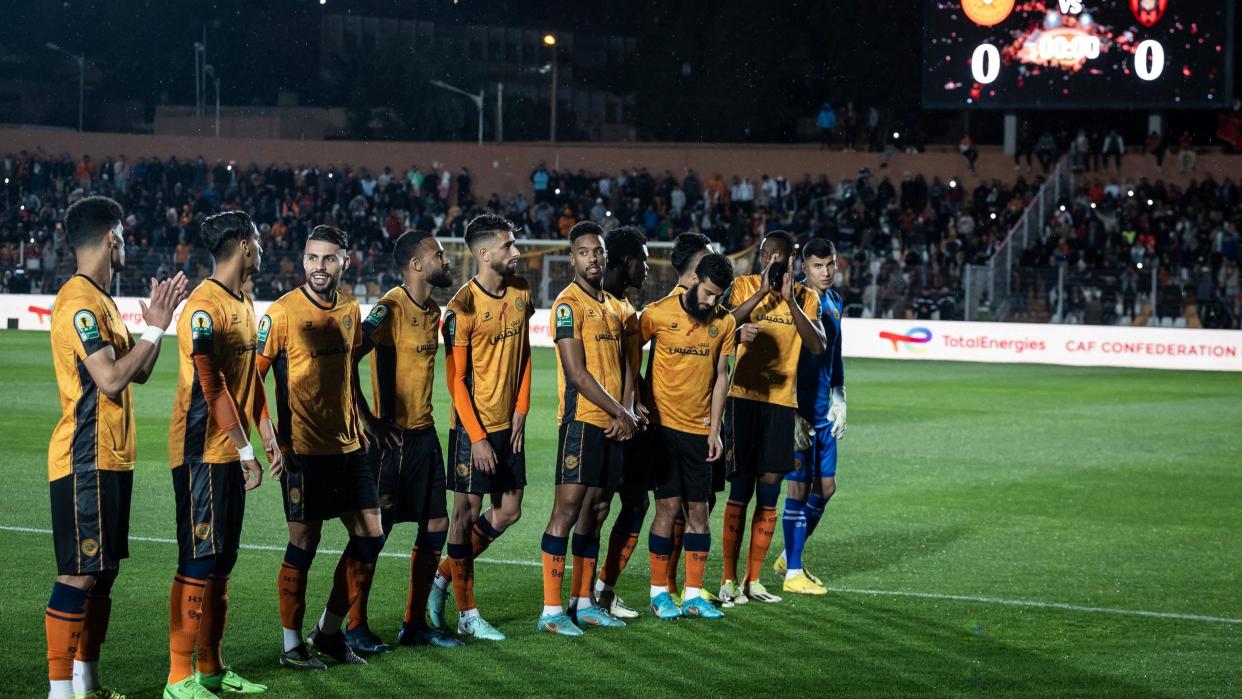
905 240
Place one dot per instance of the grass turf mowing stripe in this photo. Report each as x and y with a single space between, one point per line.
1035 604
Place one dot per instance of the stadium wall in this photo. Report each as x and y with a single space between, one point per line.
1012 343
506 167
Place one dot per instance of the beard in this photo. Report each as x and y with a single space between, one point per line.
440 280
328 286
596 282
691 304
503 270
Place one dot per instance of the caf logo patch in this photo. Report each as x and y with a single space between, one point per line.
90 547
200 325
265 326
295 495
202 530
564 316
86 325
713 331
463 470
571 462
378 314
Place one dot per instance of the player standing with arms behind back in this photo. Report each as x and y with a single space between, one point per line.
90 457
487 339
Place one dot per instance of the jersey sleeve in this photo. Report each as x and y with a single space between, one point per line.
458 327
203 317
646 324
738 292
92 334
273 332
380 324
810 303
566 320
729 345
356 314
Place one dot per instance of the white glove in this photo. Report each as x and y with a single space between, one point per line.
836 413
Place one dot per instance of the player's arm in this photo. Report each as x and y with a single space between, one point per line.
373 329
273 330
145 372
517 428
811 331
836 412
457 358
110 374
742 308
263 419
720 391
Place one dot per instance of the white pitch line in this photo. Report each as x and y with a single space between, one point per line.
848 590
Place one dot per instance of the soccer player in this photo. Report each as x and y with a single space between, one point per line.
402 336
306 340
90 457
779 317
627 268
693 339
212 459
595 386
821 404
487 343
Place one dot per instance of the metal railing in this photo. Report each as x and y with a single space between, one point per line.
988 286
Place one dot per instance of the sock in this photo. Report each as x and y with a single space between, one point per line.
481 537
462 576
553 548
66 613
621 543
359 560
762 527
814 512
215 614
423 562
793 521
659 548
291 585
185 604
358 607
337 608
697 546
586 553
679 528
731 539
98 611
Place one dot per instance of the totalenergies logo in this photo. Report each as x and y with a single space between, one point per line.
912 341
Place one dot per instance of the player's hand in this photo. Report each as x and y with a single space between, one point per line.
483 456
748 332
715 446
165 297
787 289
622 427
836 413
517 433
253 473
382 432
276 458
765 287
363 441
643 414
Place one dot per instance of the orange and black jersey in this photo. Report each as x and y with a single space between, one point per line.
684 359
310 348
94 431
406 336
600 325
491 334
631 342
767 367
220 327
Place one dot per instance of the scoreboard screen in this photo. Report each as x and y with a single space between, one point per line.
1023 54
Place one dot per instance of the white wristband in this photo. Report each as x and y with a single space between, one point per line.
153 334
246 453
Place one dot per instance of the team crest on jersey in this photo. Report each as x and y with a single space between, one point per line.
519 304
348 322
571 462
836 313
713 331
89 547
200 325
86 325
463 470
564 316
295 495
202 530
265 326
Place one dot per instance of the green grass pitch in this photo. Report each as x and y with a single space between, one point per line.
1000 530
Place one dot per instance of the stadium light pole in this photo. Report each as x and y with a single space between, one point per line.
200 51
549 40
81 59
210 72
477 99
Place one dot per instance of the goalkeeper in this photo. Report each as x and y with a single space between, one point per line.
820 423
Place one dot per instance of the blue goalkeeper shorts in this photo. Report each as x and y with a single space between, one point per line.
820 461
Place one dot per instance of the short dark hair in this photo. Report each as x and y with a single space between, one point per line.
88 218
407 246
221 232
330 234
717 268
819 247
582 228
784 236
625 242
686 247
485 226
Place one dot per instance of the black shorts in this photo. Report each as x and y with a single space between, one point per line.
90 520
758 438
211 504
325 487
682 471
586 457
637 458
510 467
411 477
